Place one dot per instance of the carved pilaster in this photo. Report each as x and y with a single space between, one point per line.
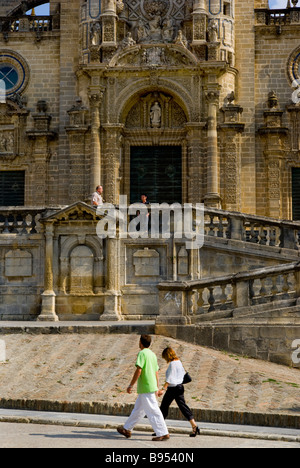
231 156
95 97
212 197
48 296
113 137
273 135
77 130
41 136
109 29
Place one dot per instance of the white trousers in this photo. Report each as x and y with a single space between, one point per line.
147 404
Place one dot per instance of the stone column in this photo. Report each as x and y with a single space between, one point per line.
212 197
95 166
199 22
109 7
112 303
48 296
109 29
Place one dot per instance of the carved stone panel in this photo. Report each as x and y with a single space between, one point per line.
18 263
146 262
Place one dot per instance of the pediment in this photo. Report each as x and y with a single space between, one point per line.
78 212
158 55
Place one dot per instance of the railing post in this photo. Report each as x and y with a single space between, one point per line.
236 227
297 279
242 294
288 237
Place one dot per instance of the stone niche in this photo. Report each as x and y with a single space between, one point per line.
81 270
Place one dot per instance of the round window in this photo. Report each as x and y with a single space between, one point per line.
14 73
9 75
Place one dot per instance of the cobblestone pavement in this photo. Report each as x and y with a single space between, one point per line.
92 367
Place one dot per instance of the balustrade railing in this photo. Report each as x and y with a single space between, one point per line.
26 23
238 291
20 221
278 17
252 229
217 224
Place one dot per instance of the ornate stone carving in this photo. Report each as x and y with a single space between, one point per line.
155 20
156 110
155 56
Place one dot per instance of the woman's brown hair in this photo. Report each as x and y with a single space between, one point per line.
169 355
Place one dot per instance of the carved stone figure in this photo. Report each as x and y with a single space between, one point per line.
181 39
128 41
141 31
168 30
95 34
155 115
213 30
155 30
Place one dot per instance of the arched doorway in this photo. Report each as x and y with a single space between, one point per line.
157 172
155 149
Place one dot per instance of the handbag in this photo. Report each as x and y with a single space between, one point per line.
187 379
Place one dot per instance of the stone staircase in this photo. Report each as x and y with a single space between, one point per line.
254 312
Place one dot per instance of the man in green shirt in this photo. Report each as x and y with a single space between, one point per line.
146 375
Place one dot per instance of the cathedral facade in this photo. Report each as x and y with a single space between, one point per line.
188 101
222 74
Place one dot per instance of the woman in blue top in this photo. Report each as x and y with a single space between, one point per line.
174 389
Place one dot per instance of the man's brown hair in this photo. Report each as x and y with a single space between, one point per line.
146 340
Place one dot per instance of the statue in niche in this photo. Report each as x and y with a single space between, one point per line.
155 30
155 115
95 34
168 30
141 31
213 30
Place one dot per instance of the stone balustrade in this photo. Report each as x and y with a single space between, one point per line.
217 223
278 17
252 229
200 300
26 24
20 221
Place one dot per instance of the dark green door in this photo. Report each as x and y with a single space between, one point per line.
12 188
296 193
157 172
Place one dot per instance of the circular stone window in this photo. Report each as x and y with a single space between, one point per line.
14 73
293 67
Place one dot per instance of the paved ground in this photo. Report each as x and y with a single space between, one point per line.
45 436
94 367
